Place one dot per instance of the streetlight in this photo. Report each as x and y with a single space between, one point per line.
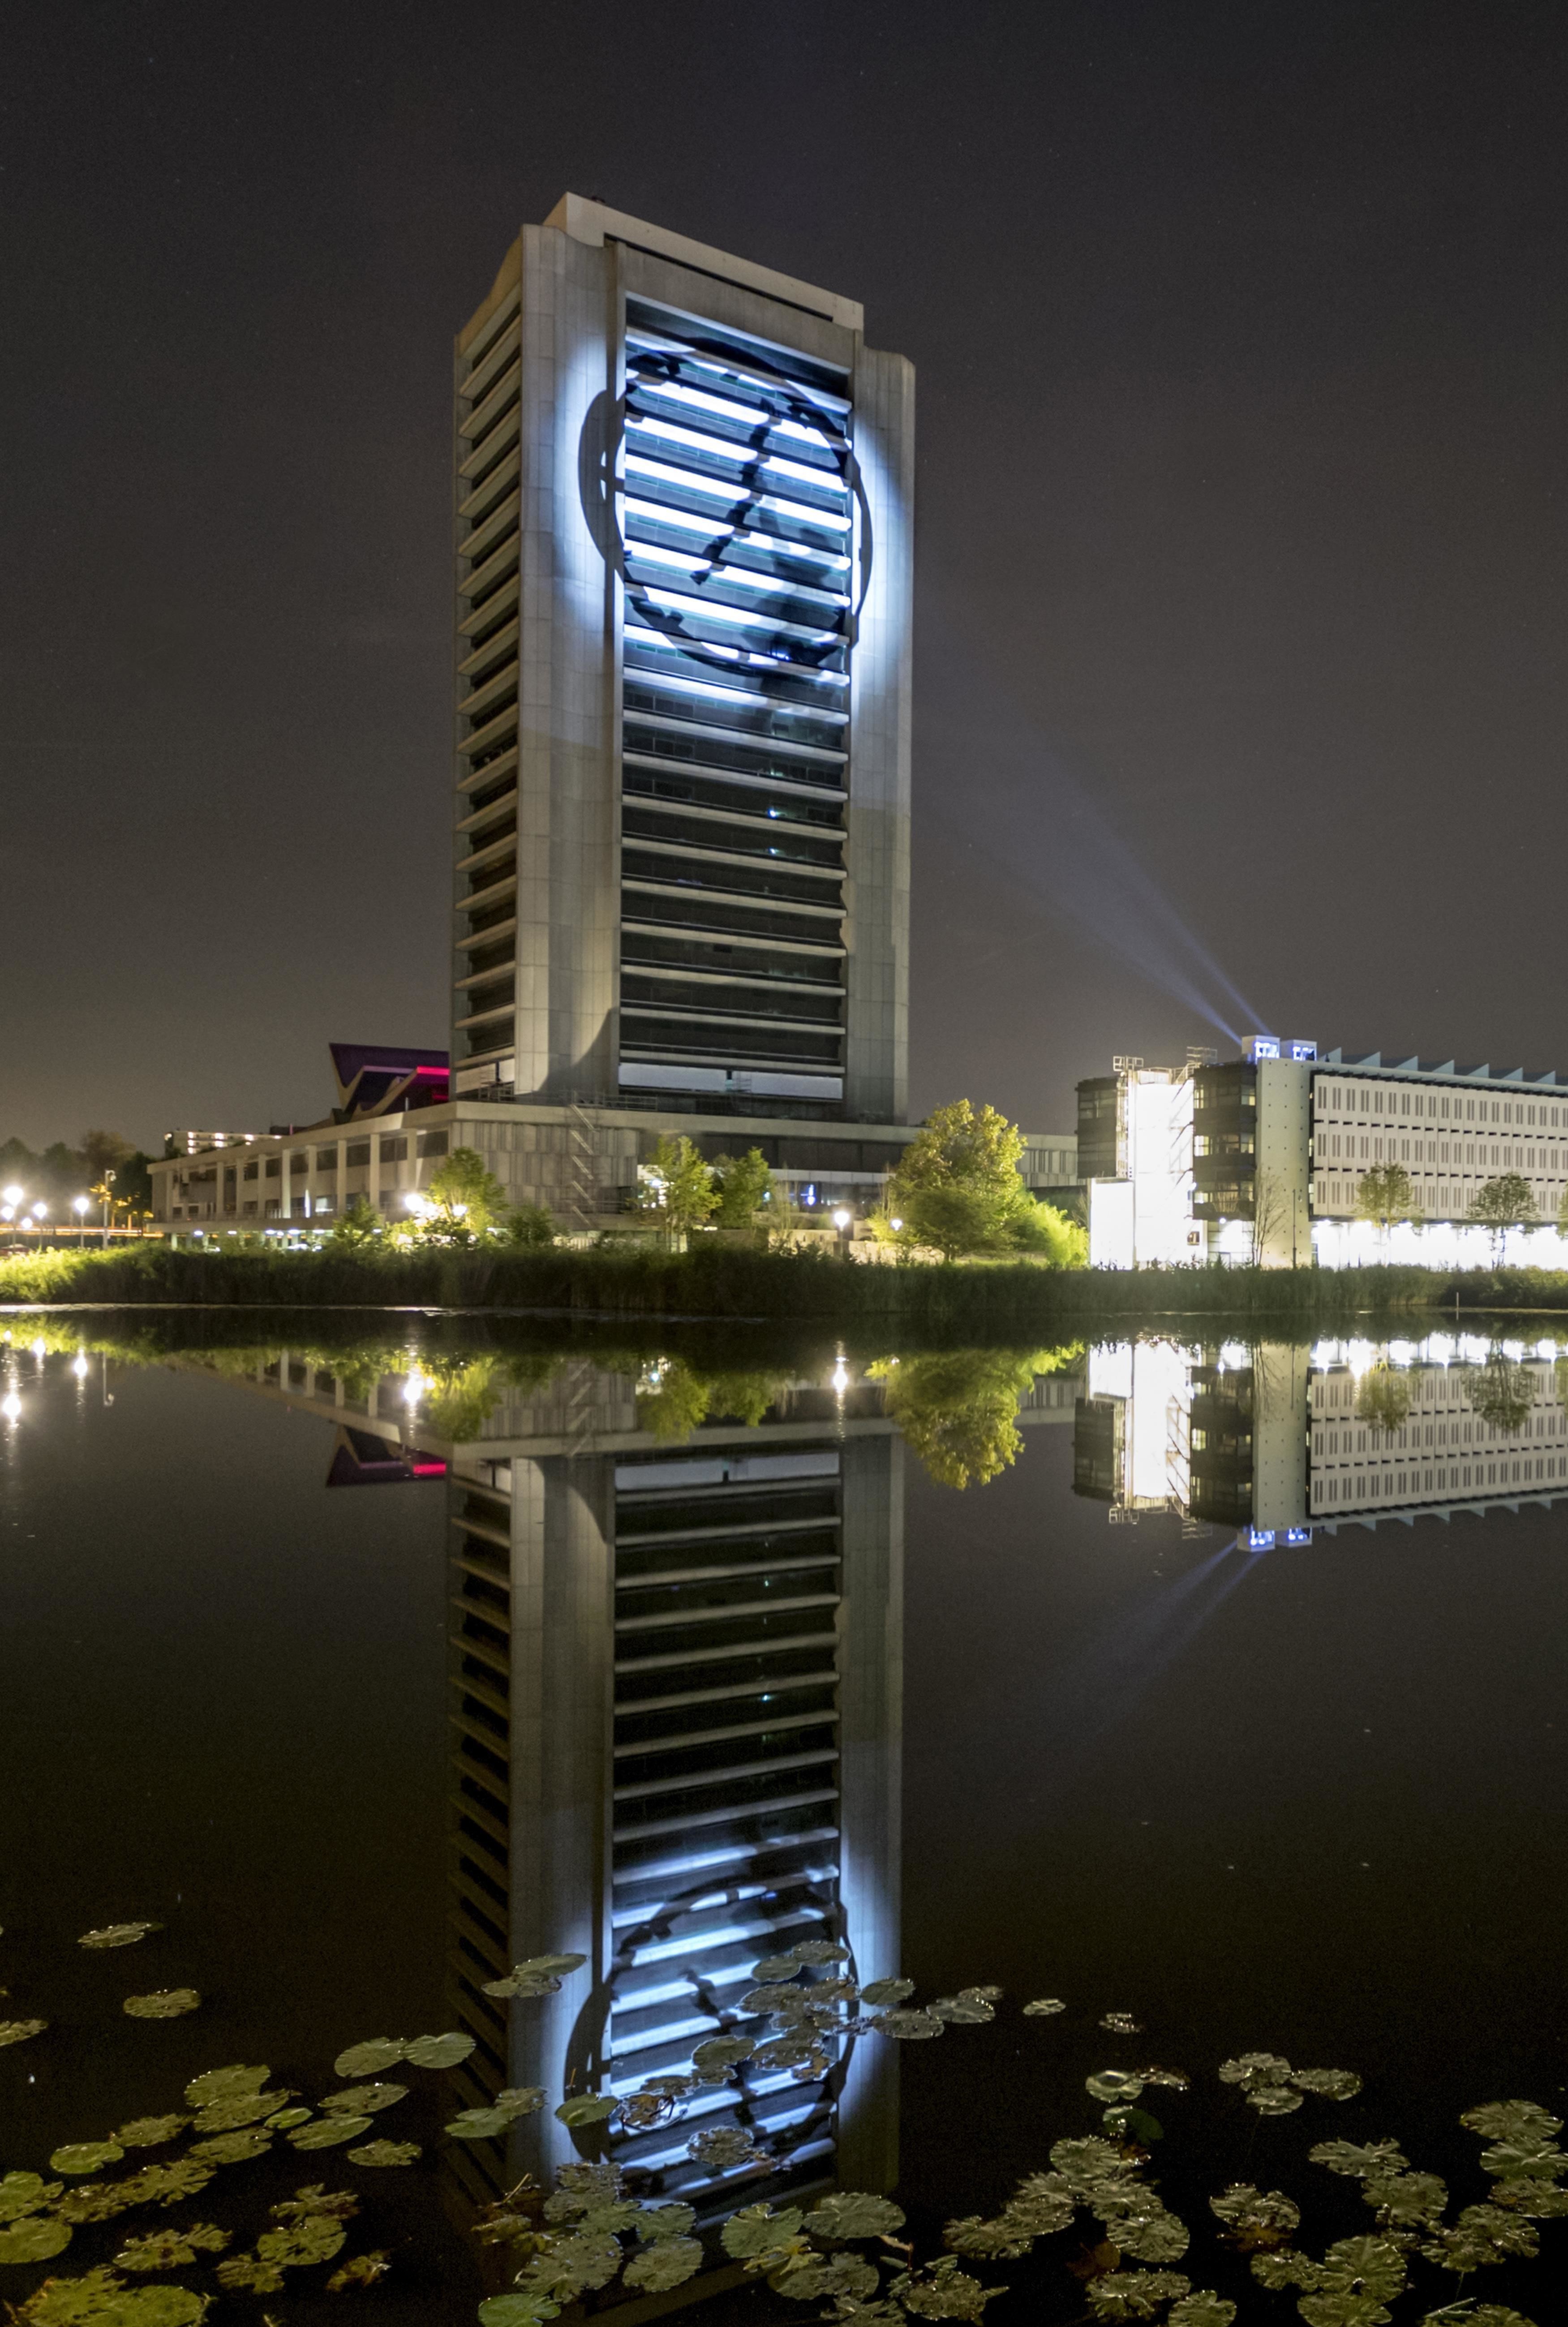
108 1184
78 1205
13 1195
844 1221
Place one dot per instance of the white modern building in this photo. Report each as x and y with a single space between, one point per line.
1266 1158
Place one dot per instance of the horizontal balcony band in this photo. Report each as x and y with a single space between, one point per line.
499 815
717 698
693 852
506 472
706 771
490 407
642 886
736 396
730 1531
507 1010
489 339
501 646
713 503
772 1807
499 730
758 561
497 690
478 583
492 935
731 1572
776 611
736 1691
817 754
750 817
658 342
493 893
506 431
675 973
736 433
480 977
497 602
732 1612
657 1013
491 853
641 635
694 932
738 470
478 544
503 763
753 629
649 1788
794 1643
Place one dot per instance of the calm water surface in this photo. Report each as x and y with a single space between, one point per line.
368 1667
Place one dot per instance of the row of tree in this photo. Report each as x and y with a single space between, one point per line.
1387 1195
57 1175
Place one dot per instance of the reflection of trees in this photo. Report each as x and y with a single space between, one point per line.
958 1408
1501 1392
673 1398
1383 1397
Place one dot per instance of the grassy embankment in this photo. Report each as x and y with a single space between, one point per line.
730 1281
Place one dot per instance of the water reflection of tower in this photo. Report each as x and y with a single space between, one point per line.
675 1701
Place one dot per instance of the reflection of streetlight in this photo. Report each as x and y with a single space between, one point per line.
11 1408
78 1365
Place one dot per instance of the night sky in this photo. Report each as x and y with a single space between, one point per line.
1240 334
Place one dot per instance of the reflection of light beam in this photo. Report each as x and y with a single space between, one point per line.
1105 1683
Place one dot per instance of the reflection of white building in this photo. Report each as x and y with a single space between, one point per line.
1266 1157
1277 1440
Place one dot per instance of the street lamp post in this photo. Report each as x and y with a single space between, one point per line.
844 1221
108 1184
80 1207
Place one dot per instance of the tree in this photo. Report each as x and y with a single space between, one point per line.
1386 1194
1047 1230
677 1186
744 1186
360 1224
957 1185
467 1198
1501 1392
1508 1201
103 1151
529 1227
958 1408
1383 1399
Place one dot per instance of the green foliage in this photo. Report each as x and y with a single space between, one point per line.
467 1198
956 1189
359 1226
1502 1203
958 1408
1501 1392
1387 1195
745 1187
529 1227
677 1186
1383 1397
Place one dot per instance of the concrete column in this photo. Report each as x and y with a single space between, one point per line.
375 1187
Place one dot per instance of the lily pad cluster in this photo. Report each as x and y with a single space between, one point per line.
581 2239
1271 2087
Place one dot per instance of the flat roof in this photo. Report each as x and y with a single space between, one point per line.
595 223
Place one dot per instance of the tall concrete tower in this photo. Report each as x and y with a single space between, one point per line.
683 585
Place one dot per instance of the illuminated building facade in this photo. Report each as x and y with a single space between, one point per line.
1266 1157
684 579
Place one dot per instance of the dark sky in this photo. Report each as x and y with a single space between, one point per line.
1240 334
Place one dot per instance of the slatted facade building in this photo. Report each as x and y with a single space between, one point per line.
684 579
674 1710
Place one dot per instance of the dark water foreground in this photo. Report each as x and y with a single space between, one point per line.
1202 1686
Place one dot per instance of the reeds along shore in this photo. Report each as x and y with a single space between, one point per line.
731 1282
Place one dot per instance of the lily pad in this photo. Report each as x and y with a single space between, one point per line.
1539 2200
1524 2160
171 2249
721 2147
17 2031
852 2214
284 2120
85 2156
1203 2309
820 1951
97 2201
163 2004
1367 2161
1407 2201
1114 2085
328 2131
586 2108
386 2152
1044 2007
309 2238
167 2184
240 2108
722 2052
1263 2213
147 2132
215 2085
369 2060
1273 2100
881 1992
664 2263
907 2025
1134 2294
757 2230
1121 2023
671 2221
1512 2121
519 2309
234 2148
360 2270
442 2051
1329 2084
356 2101
1253 2070
26 2193
480 2124
36 2238
118 1935
312 2199
967 2009
775 1968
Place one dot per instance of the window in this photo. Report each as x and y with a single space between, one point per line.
299 1163
326 1159
358 1152
273 1166
432 1143
250 1172
393 1150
